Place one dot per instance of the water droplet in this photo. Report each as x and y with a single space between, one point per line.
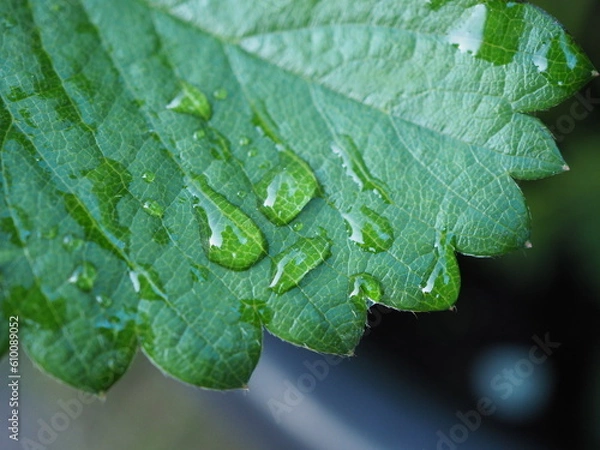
104 301
219 145
84 276
365 289
540 57
220 94
50 233
242 194
290 266
199 134
369 230
298 226
468 35
252 152
153 208
71 243
286 189
190 100
443 280
135 280
244 140
148 177
356 168
230 237
199 273
255 311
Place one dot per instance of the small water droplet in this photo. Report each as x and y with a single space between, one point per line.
356 168
84 276
252 152
71 243
51 232
104 301
135 280
369 230
148 177
242 194
298 226
286 189
153 208
199 273
190 100
199 134
230 237
290 266
220 94
443 280
244 140
364 289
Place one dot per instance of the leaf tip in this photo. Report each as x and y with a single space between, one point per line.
566 168
528 244
595 73
453 309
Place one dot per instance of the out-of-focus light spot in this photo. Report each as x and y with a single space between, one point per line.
518 379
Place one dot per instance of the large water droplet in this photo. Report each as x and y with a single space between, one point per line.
255 311
369 230
230 237
290 266
84 276
468 35
356 168
286 189
365 289
190 100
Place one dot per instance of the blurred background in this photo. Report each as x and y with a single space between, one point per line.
516 366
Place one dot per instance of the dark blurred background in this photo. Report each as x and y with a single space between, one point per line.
416 381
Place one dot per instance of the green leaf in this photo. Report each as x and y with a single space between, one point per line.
179 175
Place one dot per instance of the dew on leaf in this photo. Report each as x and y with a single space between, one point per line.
290 266
369 230
104 301
199 134
286 189
365 289
134 277
153 208
71 243
230 237
84 276
50 233
298 226
148 177
439 275
356 168
220 94
244 140
190 100
252 152
468 35
254 311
